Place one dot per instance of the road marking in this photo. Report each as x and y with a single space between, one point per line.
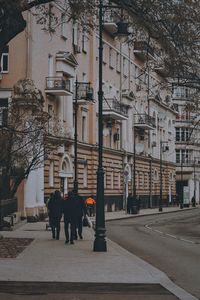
148 226
188 241
171 235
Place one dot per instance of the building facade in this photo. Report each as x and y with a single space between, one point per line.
187 144
138 115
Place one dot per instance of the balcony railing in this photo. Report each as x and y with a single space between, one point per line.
115 109
188 163
144 121
58 86
7 206
142 49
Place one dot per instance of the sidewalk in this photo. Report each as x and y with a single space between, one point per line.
47 260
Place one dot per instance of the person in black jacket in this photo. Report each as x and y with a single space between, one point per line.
70 216
55 213
81 211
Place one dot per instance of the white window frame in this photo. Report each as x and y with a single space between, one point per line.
118 65
111 58
3 57
84 41
85 176
63 26
84 121
75 34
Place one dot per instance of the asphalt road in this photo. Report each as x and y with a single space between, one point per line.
170 242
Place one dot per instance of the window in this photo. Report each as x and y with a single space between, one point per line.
63 26
4 60
119 180
3 112
182 134
125 66
50 120
85 176
75 34
183 156
84 128
118 62
111 180
84 41
111 58
51 174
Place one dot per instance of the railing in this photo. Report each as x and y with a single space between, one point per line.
189 163
57 83
143 46
144 119
115 106
7 207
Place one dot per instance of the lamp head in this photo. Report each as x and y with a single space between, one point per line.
122 31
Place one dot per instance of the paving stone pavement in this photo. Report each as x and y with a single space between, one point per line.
51 261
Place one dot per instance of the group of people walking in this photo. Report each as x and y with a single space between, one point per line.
73 207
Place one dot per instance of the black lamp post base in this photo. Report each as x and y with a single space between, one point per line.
100 242
100 245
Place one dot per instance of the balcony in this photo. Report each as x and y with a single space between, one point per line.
115 109
142 50
160 68
58 86
110 22
144 121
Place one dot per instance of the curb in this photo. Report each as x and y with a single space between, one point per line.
152 214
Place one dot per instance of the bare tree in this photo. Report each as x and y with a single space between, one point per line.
174 24
24 137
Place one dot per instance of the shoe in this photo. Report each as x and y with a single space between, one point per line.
67 241
80 236
72 242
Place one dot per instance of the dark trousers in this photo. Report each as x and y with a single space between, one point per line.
80 225
55 231
72 230
90 209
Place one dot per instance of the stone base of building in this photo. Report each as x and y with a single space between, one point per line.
34 214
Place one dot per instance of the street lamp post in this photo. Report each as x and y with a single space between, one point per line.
160 200
75 138
161 170
100 241
134 166
181 200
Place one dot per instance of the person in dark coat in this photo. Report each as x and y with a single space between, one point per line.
55 213
129 203
81 211
70 217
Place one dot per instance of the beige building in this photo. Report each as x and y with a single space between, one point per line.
135 111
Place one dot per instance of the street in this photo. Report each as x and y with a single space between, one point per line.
170 242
